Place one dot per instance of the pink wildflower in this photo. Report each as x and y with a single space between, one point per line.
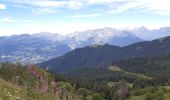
33 73
53 83
41 78
58 92
44 87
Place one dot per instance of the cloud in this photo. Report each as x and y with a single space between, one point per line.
104 1
154 6
72 4
49 3
38 3
75 4
7 20
131 5
160 6
29 21
44 11
109 6
47 6
86 15
2 6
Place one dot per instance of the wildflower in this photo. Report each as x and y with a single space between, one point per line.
41 78
33 73
53 83
58 92
44 87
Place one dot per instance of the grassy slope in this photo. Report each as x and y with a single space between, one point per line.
116 68
140 97
167 95
9 91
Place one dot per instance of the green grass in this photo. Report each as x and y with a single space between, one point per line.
112 84
137 98
117 69
166 97
9 91
166 87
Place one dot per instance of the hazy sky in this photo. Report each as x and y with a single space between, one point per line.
66 16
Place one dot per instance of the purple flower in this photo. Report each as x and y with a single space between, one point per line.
41 78
58 92
33 73
44 87
53 83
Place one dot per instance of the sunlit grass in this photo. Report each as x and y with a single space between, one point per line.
117 69
9 91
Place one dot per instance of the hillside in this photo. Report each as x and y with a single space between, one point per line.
135 77
148 77
19 82
138 68
104 55
9 91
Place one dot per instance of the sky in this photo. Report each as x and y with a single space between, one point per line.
67 16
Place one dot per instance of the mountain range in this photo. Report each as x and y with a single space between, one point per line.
105 55
44 46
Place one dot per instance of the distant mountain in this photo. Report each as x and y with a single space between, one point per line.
43 46
104 55
30 48
101 36
147 34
